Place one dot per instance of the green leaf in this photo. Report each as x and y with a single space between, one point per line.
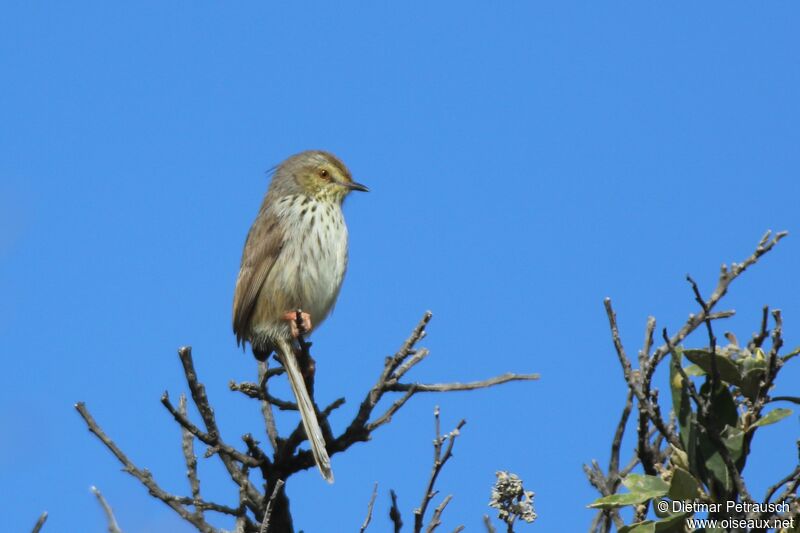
683 486
679 457
618 500
645 484
648 526
733 438
694 370
754 368
716 470
756 360
642 489
751 382
773 416
722 405
728 371
673 523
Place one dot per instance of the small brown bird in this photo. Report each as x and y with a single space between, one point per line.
295 258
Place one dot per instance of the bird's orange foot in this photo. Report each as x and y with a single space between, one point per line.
305 318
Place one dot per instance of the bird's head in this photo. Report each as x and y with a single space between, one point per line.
318 174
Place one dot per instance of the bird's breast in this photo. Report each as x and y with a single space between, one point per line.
313 260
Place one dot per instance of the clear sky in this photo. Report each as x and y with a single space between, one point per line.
525 161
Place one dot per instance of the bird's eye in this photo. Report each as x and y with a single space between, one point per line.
324 174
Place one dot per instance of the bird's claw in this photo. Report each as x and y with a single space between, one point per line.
304 320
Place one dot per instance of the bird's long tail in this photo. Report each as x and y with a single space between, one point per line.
306 406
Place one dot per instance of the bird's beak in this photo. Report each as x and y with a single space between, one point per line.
353 186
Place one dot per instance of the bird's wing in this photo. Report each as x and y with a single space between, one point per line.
263 245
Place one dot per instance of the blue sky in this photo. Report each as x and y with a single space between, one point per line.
525 161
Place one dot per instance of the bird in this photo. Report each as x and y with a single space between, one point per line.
292 267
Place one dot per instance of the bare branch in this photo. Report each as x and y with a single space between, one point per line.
436 519
288 458
472 385
211 439
633 379
335 404
113 527
777 343
792 477
644 353
758 338
144 476
726 277
361 427
712 339
229 457
439 460
40 522
413 339
412 388
613 465
371 505
394 513
791 489
386 417
266 406
258 392
270 505
187 446
416 357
